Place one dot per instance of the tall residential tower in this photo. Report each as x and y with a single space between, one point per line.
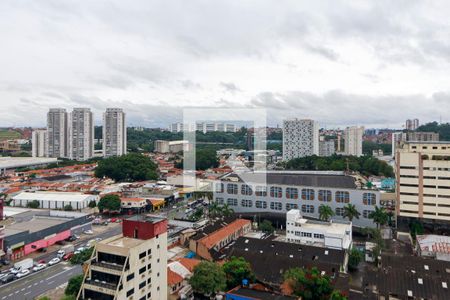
300 138
81 134
114 132
353 140
39 143
57 131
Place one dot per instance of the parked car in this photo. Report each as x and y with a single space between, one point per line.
23 273
60 253
80 249
54 261
14 271
4 262
88 232
41 261
68 256
98 239
8 278
39 267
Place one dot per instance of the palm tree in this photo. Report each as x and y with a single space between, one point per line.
214 209
351 212
379 216
227 210
325 212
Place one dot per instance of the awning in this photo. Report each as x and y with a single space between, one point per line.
157 202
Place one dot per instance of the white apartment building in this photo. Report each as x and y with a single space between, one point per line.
332 234
423 181
203 127
300 138
412 124
132 265
353 140
327 148
162 146
81 134
57 133
114 132
39 143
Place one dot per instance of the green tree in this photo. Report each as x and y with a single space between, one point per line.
350 212
81 257
214 210
236 270
110 203
128 167
68 207
266 226
69 297
208 278
354 258
44 298
379 216
33 204
92 204
325 212
74 285
226 210
415 228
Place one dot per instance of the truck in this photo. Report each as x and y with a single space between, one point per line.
24 264
66 249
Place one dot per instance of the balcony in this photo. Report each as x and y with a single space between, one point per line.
105 267
100 286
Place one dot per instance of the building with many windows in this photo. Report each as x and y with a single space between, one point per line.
39 143
300 138
57 133
306 191
326 148
81 134
423 181
353 140
132 265
114 132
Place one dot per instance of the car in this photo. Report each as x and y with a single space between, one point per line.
68 256
76 252
14 271
42 261
39 267
54 261
23 273
8 278
98 239
81 249
4 262
88 232
61 252
3 275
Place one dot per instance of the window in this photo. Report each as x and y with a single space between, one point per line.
261 191
149 266
130 292
324 195
366 213
142 284
232 202
142 255
130 277
143 298
318 236
260 204
276 192
342 197
149 252
149 281
246 203
308 208
142 270
291 193
369 199
290 206
339 211
308 194
246 190
306 234
232 188
276 206
219 201
219 187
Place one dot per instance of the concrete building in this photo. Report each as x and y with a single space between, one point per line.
54 200
57 133
162 146
332 234
412 124
353 140
203 127
39 143
300 138
306 191
132 265
114 132
422 176
326 148
81 134
435 246
10 164
399 137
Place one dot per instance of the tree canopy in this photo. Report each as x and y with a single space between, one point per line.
443 129
236 270
74 285
109 203
208 278
128 167
325 212
354 258
266 226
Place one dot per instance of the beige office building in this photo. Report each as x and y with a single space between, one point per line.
423 180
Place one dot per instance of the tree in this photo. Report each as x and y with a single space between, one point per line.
68 207
80 258
69 297
325 212
226 210
33 204
128 167
266 226
415 228
92 204
236 270
214 210
44 298
379 216
74 285
309 283
354 258
109 203
208 278
351 212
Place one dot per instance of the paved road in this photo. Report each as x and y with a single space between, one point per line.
35 284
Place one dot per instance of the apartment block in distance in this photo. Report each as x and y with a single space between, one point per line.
57 133
81 134
132 265
300 138
353 140
423 181
114 132
39 143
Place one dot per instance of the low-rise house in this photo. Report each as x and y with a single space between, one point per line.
133 205
178 274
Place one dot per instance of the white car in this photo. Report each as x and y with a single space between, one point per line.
80 249
54 261
23 273
14 270
39 267
88 232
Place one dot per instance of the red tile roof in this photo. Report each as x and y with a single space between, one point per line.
211 240
172 277
189 263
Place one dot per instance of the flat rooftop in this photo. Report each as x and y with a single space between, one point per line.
52 196
146 218
17 162
37 223
123 242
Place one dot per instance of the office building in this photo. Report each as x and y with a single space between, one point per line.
353 140
114 132
412 124
333 234
132 265
300 138
326 148
422 176
39 143
57 133
81 134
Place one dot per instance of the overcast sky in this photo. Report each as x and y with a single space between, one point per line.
339 62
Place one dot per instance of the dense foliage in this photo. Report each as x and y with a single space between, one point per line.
354 258
79 258
366 165
236 270
128 167
110 203
266 226
74 285
33 204
368 147
208 278
442 129
205 158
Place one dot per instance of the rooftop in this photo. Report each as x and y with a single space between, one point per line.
212 239
53 196
146 218
332 227
257 295
17 162
434 243
123 242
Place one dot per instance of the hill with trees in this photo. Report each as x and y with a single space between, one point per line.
129 167
443 129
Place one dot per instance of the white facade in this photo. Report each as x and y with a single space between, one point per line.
54 200
327 148
57 133
353 140
39 143
81 134
333 234
432 245
114 132
300 138
203 127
